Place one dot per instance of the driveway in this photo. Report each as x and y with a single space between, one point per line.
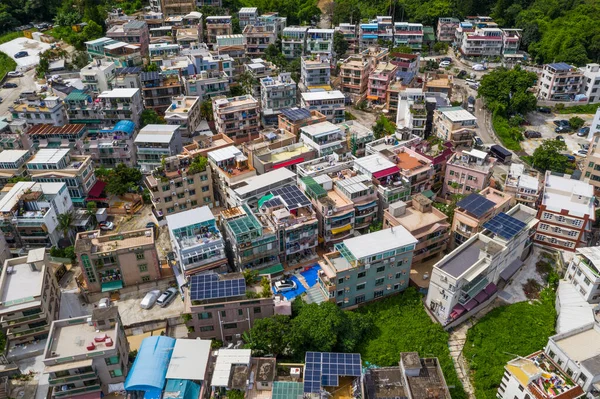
33 48
132 313
25 83
543 124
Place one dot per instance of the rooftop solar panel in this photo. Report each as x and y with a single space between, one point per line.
276 201
476 204
209 286
504 225
296 114
324 369
292 197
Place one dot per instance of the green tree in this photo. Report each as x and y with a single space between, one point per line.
440 47
403 49
548 156
247 81
576 122
151 67
340 45
150 117
65 224
269 335
507 91
91 209
123 179
206 110
383 127
235 394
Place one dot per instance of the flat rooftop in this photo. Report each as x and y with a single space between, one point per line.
118 93
49 156
10 156
323 95
455 264
20 284
559 192
414 220
380 241
581 346
71 339
189 217
264 181
156 134
457 114
92 240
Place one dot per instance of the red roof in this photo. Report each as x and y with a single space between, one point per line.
386 172
51 130
288 163
96 190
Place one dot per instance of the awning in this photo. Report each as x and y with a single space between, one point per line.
288 163
471 305
365 206
482 296
372 97
278 268
78 199
264 199
458 310
511 269
112 286
97 189
491 289
341 229
428 193
386 172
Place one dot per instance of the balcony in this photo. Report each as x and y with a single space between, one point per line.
19 320
71 392
73 378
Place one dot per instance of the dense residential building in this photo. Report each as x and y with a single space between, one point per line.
454 124
50 110
252 189
293 41
113 261
416 169
350 32
132 32
60 166
234 47
98 76
559 82
225 318
229 166
258 38
198 245
511 41
467 278
29 213
591 83
354 73
473 211
408 34
185 113
438 83
467 172
324 137
446 29
584 273
569 360
217 26
128 78
175 7
329 103
523 184
427 224
12 164
110 107
158 89
379 29
320 41
207 84
237 117
406 62
379 81
566 212
247 16
368 267
123 54
357 137
112 146
184 182
411 110
483 42
266 157
276 94
30 298
293 119
315 72
86 355
154 142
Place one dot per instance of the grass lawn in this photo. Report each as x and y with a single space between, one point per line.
579 109
7 37
518 329
401 325
7 64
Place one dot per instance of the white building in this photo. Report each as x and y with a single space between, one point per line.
584 273
247 16
320 41
154 142
250 190
276 93
185 113
412 113
468 276
324 137
98 76
197 242
293 41
49 111
591 83
329 103
315 72
207 84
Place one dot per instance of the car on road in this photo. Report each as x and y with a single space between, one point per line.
563 129
585 146
153 226
445 64
1 99
14 74
545 110
150 299
9 85
477 142
580 153
560 138
561 122
106 225
285 285
478 67
166 297
532 134
570 158
462 74
21 54
584 131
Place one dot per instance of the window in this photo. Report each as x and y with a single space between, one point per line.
552 354
116 373
396 286
398 275
379 281
362 274
205 315
378 294
240 312
112 360
145 279
340 280
361 286
570 372
143 267
521 388
582 378
139 255
380 269
359 299
223 313
257 310
229 326
207 328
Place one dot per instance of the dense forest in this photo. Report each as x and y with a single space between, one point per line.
553 30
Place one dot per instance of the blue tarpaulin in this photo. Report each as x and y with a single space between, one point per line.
150 367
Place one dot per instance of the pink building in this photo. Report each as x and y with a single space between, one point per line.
379 80
467 172
133 32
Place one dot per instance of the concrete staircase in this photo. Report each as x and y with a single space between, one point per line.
315 295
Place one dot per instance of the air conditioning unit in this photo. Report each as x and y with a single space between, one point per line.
172 182
392 259
186 190
189 200
176 204
386 261
238 335
367 266
442 291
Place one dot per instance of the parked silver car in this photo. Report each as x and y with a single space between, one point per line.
149 299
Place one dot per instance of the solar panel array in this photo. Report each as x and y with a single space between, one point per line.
208 286
276 201
296 114
292 196
504 225
324 369
476 204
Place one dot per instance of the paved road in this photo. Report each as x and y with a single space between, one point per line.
25 83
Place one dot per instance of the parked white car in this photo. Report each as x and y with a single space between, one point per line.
14 74
285 285
149 299
478 67
444 64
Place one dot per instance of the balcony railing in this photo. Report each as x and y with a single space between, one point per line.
77 377
70 392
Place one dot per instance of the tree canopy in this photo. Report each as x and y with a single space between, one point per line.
121 179
150 117
506 91
548 156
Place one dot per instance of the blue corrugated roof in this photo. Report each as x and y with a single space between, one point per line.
124 126
182 389
150 366
561 66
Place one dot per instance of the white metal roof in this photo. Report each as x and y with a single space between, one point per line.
374 163
457 115
265 180
189 217
380 241
189 359
529 182
354 184
49 155
320 128
224 153
118 93
575 312
248 9
559 192
225 359
476 153
156 134
323 95
10 199
12 155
